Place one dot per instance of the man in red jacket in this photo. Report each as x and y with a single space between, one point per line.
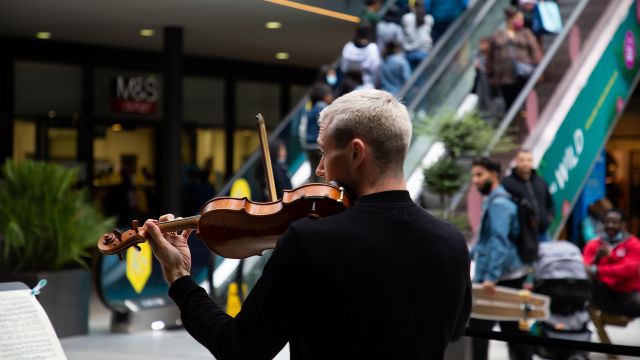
613 261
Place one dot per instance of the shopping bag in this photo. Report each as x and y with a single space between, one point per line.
546 18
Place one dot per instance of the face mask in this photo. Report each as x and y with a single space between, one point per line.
518 24
332 80
486 188
616 239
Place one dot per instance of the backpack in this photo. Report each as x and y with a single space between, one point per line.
526 239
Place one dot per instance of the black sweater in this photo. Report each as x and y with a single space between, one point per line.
382 279
536 191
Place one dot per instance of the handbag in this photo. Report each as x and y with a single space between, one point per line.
546 18
523 70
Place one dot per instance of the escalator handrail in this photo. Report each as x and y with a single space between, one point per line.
526 90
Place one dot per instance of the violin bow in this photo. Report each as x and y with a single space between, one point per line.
266 159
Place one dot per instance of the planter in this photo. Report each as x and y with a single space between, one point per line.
65 298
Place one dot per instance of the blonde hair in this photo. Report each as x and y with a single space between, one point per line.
377 118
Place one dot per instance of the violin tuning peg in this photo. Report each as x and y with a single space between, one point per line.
117 233
138 249
134 225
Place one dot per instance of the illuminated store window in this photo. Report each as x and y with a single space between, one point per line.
24 139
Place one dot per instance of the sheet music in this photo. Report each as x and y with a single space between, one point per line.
25 330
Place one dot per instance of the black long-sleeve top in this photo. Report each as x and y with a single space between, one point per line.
536 191
382 279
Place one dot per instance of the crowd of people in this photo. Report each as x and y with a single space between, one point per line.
610 256
386 49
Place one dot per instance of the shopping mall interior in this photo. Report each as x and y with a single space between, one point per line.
151 107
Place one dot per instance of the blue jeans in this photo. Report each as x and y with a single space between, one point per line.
415 57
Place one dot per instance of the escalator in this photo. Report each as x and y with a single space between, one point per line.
574 100
443 81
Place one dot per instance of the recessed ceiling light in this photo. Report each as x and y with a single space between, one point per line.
116 127
147 32
43 35
282 56
273 25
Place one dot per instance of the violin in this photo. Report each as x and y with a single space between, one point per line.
237 228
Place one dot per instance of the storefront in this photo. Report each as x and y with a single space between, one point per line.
100 110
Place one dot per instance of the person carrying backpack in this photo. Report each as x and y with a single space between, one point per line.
495 254
524 184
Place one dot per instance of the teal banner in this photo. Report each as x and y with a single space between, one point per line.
568 160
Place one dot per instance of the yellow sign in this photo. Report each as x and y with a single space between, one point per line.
139 266
233 300
240 189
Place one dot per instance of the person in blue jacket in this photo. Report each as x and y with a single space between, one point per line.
496 258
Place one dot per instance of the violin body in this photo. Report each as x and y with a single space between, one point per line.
239 228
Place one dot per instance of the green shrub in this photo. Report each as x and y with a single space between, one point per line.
45 223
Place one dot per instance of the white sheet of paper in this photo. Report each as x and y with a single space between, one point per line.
25 330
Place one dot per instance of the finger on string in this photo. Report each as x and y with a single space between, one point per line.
156 239
187 233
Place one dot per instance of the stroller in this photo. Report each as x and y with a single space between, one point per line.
560 274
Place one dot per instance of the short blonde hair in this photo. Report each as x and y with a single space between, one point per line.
377 118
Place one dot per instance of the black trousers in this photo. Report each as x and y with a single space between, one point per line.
510 93
480 347
627 304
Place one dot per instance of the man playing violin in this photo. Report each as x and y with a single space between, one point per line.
381 279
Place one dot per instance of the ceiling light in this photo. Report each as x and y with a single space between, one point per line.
116 127
273 25
282 56
147 32
43 35
316 10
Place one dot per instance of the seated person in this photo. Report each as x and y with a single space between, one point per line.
613 262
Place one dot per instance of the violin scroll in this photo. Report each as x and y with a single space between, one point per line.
117 242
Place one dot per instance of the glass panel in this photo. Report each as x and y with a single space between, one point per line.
257 97
210 154
125 158
42 88
24 139
204 101
298 92
246 142
451 72
62 144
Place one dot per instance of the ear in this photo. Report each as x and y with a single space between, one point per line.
358 149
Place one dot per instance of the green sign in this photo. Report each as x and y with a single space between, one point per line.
584 131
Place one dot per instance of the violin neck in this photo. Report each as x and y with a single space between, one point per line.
188 223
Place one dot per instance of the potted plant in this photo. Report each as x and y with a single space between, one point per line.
47 230
463 137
